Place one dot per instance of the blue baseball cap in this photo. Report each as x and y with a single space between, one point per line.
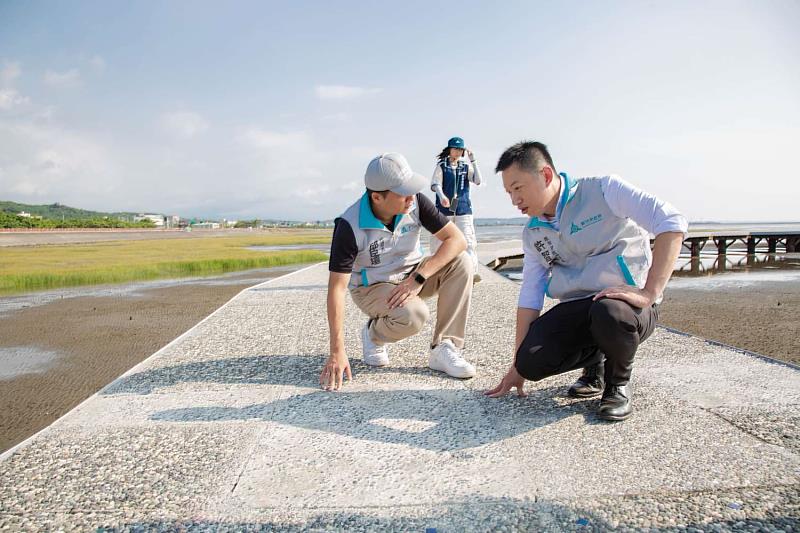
456 142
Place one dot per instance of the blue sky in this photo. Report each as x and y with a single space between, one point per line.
273 109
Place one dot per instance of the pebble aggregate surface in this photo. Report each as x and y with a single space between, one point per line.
226 429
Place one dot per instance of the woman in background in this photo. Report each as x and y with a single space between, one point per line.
451 183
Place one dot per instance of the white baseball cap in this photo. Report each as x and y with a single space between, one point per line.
391 172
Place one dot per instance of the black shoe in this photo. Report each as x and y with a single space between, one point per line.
616 403
590 384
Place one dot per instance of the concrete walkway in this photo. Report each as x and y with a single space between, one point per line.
226 429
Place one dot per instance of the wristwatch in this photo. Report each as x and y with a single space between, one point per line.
419 278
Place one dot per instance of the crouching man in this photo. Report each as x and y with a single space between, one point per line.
587 245
376 254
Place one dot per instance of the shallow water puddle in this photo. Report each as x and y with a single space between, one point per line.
18 360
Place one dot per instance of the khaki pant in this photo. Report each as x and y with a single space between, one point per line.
453 284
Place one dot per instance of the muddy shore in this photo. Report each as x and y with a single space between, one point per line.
91 340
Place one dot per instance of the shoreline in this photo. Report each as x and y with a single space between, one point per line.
760 318
90 339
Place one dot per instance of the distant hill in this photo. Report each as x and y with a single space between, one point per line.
62 216
58 211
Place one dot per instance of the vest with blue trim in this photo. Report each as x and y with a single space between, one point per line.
455 183
593 249
383 255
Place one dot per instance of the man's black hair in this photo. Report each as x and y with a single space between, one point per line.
528 155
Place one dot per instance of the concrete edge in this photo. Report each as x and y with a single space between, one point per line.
8 453
743 351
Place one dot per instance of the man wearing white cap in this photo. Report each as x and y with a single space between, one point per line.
376 253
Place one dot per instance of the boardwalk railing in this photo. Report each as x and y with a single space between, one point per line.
697 240
790 240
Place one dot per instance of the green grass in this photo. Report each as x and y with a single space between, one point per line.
33 268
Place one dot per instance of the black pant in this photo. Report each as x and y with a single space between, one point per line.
580 333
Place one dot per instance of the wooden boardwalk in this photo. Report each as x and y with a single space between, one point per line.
780 239
788 238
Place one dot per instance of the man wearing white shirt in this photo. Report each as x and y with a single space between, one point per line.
586 244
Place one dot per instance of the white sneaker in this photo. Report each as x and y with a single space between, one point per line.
374 354
445 357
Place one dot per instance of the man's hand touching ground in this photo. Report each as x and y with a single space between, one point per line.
511 380
332 377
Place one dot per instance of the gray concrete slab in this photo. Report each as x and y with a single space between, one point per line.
226 429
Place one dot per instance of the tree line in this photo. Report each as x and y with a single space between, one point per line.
12 220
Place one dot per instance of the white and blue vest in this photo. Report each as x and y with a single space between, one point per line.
594 249
383 255
455 182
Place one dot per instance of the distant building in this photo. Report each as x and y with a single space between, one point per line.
24 214
206 225
157 220
172 221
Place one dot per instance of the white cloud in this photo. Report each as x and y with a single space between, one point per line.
70 78
45 113
264 139
256 172
97 63
343 92
310 192
184 124
337 117
10 98
10 72
287 175
47 163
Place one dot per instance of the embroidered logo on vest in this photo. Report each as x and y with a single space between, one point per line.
375 248
547 249
585 223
